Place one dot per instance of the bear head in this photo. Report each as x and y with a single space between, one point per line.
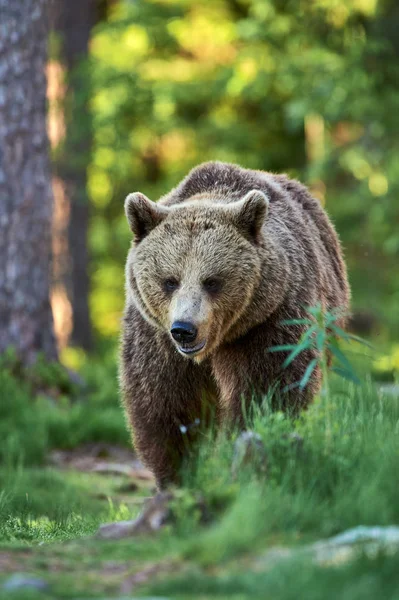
193 267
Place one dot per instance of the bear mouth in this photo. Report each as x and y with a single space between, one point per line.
190 350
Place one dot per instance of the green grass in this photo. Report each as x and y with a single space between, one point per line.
364 579
325 485
41 505
34 419
342 474
41 411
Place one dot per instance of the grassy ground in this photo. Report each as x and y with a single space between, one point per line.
339 470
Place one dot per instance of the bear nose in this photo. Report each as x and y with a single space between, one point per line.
183 332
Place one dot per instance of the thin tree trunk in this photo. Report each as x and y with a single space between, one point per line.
76 21
25 183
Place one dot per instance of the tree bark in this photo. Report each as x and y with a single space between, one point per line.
25 182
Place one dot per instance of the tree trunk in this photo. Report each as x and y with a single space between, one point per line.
25 183
76 20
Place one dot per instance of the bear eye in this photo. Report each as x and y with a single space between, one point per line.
170 285
212 285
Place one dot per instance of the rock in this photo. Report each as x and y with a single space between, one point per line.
153 516
249 450
389 389
385 535
340 548
367 540
20 581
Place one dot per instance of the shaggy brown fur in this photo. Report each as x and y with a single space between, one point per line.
235 252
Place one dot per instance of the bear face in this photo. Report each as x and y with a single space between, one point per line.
194 268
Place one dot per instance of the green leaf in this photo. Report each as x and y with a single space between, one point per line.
340 332
291 386
331 318
309 370
298 349
308 333
348 336
335 314
320 339
350 376
296 322
315 310
339 355
361 341
285 348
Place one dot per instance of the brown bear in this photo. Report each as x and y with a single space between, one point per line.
216 267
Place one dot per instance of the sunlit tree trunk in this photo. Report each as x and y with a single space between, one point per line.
25 183
75 21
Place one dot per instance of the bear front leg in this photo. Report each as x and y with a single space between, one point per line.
246 371
163 393
159 447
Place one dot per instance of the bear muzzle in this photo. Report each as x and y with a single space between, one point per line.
185 335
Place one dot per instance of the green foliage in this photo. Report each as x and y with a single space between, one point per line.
42 375
322 336
33 422
308 88
22 432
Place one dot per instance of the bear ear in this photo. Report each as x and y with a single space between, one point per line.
143 215
249 214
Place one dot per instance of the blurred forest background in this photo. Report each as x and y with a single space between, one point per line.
141 91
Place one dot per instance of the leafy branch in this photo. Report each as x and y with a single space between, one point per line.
321 336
